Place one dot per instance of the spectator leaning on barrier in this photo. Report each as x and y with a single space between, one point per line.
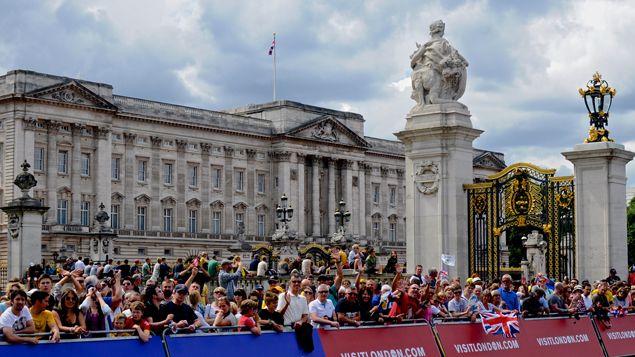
322 310
17 320
508 295
270 319
182 314
348 310
292 305
249 317
42 317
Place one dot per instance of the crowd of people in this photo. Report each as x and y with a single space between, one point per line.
89 299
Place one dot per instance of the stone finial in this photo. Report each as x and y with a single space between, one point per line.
25 180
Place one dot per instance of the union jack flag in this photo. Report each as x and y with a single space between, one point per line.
500 323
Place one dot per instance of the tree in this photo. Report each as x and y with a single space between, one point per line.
630 231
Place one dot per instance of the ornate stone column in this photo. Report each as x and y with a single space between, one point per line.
51 170
315 197
155 184
401 226
361 184
75 168
348 194
300 210
332 200
229 189
383 203
205 181
129 181
600 201
181 183
102 178
252 226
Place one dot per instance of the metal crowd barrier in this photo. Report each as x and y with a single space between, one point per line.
449 337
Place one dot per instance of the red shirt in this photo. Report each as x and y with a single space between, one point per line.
144 324
248 322
408 306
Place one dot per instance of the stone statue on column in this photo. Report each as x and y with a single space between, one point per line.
439 71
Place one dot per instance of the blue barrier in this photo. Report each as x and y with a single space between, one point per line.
239 344
93 347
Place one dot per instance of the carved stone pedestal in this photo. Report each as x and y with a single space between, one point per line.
438 146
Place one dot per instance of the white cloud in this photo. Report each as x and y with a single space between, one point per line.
189 76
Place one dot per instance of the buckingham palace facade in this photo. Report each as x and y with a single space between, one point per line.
178 180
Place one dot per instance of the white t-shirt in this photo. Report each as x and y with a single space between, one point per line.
325 310
17 323
297 308
588 302
262 269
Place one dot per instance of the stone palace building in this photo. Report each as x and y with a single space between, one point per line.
178 180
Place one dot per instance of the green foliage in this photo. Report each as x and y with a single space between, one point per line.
630 231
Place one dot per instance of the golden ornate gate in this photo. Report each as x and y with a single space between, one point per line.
524 196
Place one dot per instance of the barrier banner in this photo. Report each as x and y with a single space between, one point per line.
619 340
405 340
239 344
558 335
93 347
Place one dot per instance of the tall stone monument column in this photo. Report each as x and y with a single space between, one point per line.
24 228
600 191
438 146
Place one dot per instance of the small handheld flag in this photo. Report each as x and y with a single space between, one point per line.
500 323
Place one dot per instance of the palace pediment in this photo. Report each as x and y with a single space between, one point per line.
327 129
489 161
71 92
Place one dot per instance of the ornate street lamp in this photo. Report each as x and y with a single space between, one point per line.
284 211
598 97
55 256
342 217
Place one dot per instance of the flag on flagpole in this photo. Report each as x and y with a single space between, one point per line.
273 45
500 323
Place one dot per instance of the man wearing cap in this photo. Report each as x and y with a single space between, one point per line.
182 314
227 279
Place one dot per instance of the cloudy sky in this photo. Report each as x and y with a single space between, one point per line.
527 58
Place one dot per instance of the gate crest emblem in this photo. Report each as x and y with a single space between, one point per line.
427 177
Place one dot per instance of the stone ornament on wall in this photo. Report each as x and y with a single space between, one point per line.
427 177
13 226
325 131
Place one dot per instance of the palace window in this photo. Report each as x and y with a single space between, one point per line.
217 178
85 213
141 218
115 168
216 222
239 222
393 195
114 216
193 175
261 225
85 169
240 181
142 170
62 162
168 169
375 193
38 161
62 211
192 220
167 219
261 183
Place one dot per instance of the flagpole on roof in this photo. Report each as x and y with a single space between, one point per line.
274 66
